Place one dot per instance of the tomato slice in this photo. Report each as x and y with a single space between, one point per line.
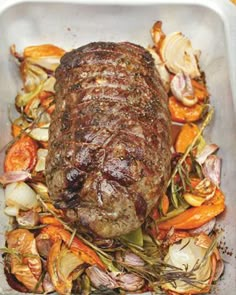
22 155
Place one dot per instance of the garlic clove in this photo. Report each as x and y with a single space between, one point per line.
100 278
130 282
193 200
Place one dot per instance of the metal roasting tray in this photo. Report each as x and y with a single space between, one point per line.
211 26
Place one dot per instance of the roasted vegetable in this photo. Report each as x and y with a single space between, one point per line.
61 264
177 53
78 247
25 261
46 56
192 255
21 155
20 196
195 217
185 137
182 89
181 113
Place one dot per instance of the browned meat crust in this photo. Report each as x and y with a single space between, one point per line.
109 145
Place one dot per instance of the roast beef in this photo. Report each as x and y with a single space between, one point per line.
109 144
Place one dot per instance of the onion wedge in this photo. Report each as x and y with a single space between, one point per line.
178 55
14 176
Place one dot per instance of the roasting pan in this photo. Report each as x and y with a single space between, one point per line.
211 26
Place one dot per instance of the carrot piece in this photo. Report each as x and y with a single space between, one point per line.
46 99
22 155
43 51
200 90
15 130
193 217
77 246
165 204
185 137
51 207
183 114
50 220
197 216
217 199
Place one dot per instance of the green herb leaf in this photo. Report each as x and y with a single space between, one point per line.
135 237
108 263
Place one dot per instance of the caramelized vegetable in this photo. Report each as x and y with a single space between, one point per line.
157 34
87 254
22 155
195 217
25 264
164 204
48 219
179 56
60 264
46 99
200 90
14 176
191 255
185 137
46 56
18 126
42 51
181 113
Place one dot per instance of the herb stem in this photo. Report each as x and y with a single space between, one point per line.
183 158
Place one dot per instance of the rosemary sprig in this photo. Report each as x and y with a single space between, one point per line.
173 213
190 147
16 253
174 198
91 245
39 281
72 237
155 270
208 253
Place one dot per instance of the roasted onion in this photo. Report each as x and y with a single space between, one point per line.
178 55
190 256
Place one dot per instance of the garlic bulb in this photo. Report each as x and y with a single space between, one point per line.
178 55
